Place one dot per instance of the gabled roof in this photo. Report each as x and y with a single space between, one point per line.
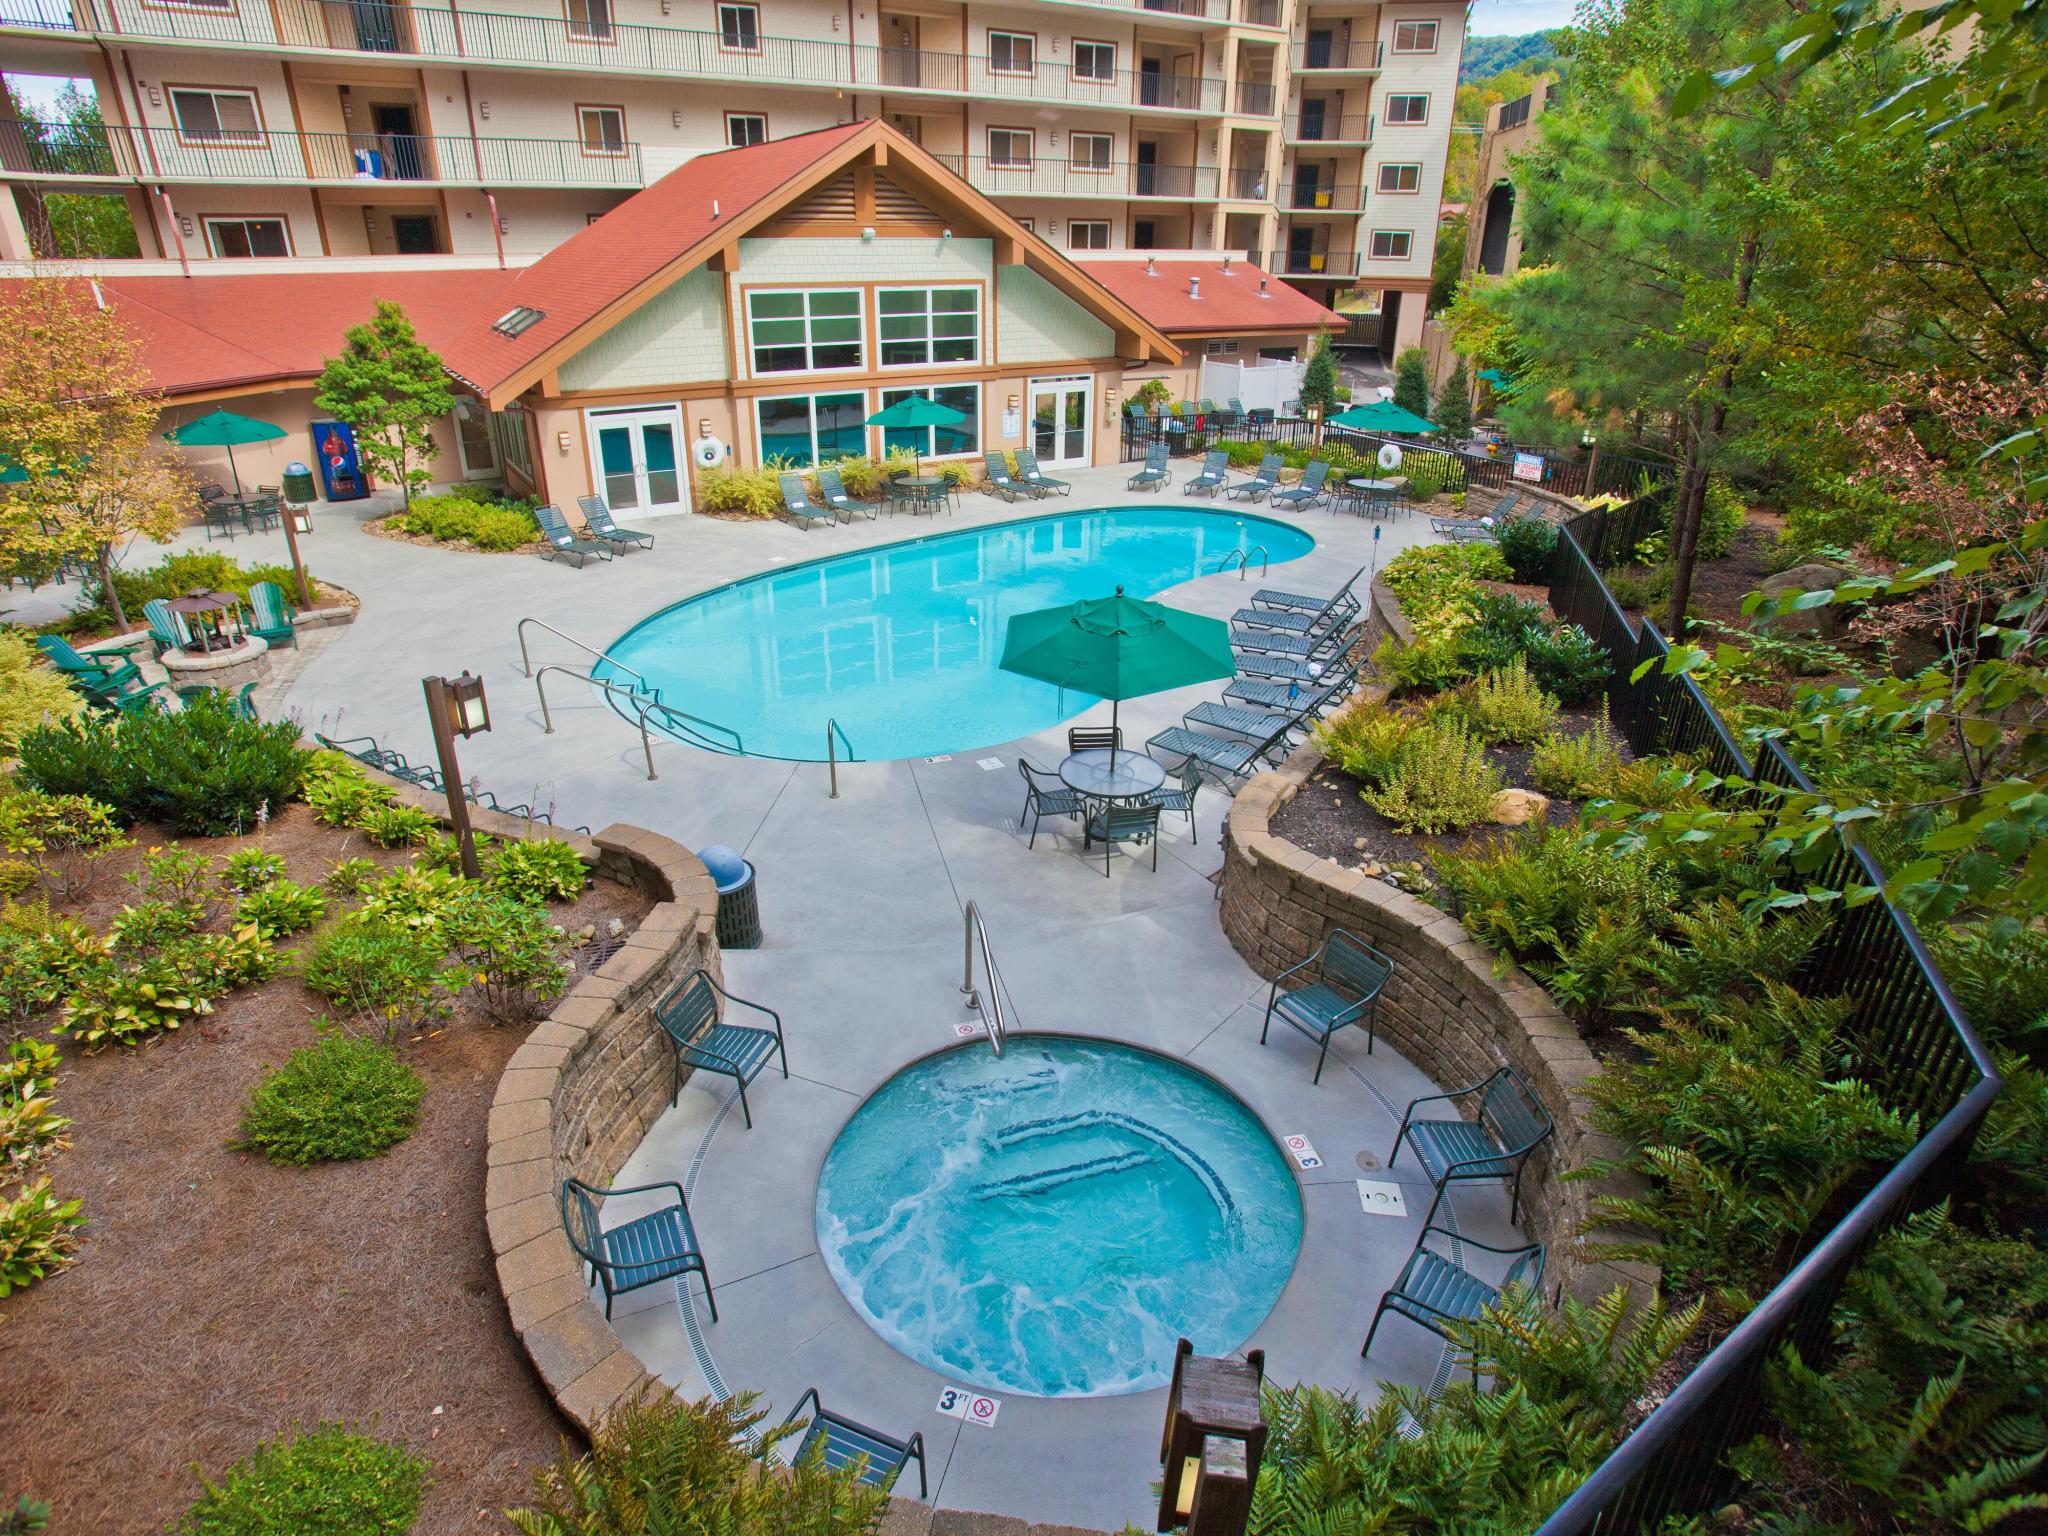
1229 302
591 281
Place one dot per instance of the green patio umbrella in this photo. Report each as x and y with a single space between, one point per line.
1382 416
916 411
224 429
1117 648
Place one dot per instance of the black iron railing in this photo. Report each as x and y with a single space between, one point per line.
1908 1036
1310 127
1513 114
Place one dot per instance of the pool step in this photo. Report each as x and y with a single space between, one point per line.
1028 1082
1046 1180
1083 1120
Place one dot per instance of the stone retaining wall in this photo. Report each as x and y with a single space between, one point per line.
1444 1008
1480 500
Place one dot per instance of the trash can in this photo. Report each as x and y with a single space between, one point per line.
298 483
739 910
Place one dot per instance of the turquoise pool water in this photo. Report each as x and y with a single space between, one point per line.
1050 1222
900 644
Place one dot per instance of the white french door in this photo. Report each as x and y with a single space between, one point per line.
1059 419
636 458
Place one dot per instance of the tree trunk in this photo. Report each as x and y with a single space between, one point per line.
103 559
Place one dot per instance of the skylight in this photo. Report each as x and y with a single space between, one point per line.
517 319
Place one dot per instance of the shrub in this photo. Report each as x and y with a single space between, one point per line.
1577 767
249 870
707 1462
1721 517
509 957
1567 663
328 1481
2000 978
1506 706
1418 668
1364 740
417 898
17 878
382 972
177 575
64 836
1427 576
397 826
122 1006
750 492
461 517
1440 781
337 1100
41 958
536 870
36 1235
150 925
1527 544
30 1128
31 692
178 877
341 801
352 877
281 907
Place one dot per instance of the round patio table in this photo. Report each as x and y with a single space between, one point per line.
1134 774
1374 485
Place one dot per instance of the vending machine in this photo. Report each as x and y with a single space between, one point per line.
341 472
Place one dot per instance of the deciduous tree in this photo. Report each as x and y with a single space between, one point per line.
392 389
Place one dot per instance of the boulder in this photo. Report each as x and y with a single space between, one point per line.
1515 807
1810 577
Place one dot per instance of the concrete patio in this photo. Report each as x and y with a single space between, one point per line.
862 899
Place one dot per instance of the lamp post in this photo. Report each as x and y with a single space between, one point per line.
1591 444
298 520
456 707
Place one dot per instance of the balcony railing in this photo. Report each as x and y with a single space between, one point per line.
1335 54
1315 128
1257 98
1310 263
43 15
596 42
1513 114
1061 178
1302 198
1246 186
1258 13
62 151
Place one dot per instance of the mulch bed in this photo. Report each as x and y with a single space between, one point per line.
217 1299
378 526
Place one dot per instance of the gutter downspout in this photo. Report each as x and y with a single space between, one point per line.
497 229
171 217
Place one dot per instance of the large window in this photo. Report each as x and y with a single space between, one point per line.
1009 147
813 429
514 447
1088 234
739 28
921 326
247 237
1400 178
1012 53
603 130
217 117
1094 61
744 128
590 21
805 330
1407 110
1090 152
938 442
1415 37
1392 244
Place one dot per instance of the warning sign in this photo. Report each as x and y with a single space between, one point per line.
1303 1151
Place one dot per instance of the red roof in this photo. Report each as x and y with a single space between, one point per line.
221 329
1229 301
608 259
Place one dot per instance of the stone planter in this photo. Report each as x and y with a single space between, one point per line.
225 669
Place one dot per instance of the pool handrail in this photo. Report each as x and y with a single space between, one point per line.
689 725
526 662
1243 557
992 1013
833 728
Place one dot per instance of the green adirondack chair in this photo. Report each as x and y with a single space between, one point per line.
165 627
270 616
111 673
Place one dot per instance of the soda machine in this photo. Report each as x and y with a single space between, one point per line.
341 472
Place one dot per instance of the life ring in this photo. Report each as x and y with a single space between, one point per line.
1390 456
709 453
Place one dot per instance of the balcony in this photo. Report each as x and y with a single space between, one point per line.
597 44
1246 186
1258 13
1117 179
1315 128
62 153
1514 114
1334 56
1257 98
1331 264
1301 197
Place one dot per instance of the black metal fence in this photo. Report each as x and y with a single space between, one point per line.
1909 1039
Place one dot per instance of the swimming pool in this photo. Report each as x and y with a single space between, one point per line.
899 644
1051 1221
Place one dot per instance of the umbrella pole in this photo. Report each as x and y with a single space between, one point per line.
1114 706
234 471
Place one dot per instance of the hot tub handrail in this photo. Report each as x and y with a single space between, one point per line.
692 727
992 1017
526 662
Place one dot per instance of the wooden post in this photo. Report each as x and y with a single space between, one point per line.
1592 468
439 712
1214 1438
291 541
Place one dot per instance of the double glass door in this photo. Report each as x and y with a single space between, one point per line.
1059 420
636 459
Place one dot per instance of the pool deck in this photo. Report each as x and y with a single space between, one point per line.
862 900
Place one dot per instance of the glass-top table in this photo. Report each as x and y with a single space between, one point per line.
1092 774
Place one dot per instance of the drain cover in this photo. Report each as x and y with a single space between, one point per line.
1367 1162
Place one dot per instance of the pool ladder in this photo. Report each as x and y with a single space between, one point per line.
1243 557
992 1016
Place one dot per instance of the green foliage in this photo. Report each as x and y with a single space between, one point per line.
397 826
27 1517
339 1099
1577 766
177 575
1722 515
1440 780
159 989
417 898
1567 662
1365 740
1527 544
282 907
327 1481
383 972
1505 706
31 691
249 870
36 1235
203 771
462 517
342 801
1152 394
42 956
662 1466
1454 406
733 488
508 956
17 878
352 877
392 390
2001 979
1411 381
30 1127
64 836
149 926
1318 391
1428 578
535 870
181 878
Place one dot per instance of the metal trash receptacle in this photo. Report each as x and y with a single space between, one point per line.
739 907
298 483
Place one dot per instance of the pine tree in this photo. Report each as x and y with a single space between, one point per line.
1454 405
391 389
1319 380
1411 381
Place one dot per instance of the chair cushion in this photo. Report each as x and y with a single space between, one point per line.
649 1249
736 1047
1440 1287
1440 1143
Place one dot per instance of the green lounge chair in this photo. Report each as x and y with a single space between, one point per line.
1309 492
1308 643
111 673
1263 483
1510 1124
659 1246
832 490
1154 474
843 1442
598 523
1232 759
562 541
1002 482
270 616
1038 479
166 629
1215 470
1271 597
797 505
705 1043
1291 697
1435 1290
1335 987
1290 621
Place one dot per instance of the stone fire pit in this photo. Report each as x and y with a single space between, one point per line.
224 669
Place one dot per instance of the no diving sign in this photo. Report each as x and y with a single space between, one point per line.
1303 1151
974 1407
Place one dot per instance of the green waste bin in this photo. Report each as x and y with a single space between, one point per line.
298 483
739 909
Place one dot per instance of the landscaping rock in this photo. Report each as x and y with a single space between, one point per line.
1811 577
1516 807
